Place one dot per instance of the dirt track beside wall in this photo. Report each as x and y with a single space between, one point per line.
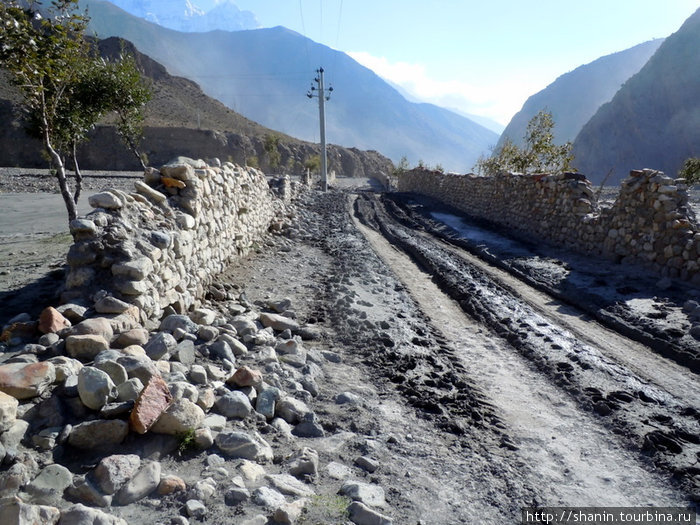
477 392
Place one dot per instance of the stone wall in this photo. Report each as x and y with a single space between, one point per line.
650 223
159 246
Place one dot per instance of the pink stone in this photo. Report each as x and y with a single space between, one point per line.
245 376
26 380
153 400
170 484
52 321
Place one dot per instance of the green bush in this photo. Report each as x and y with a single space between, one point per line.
539 155
691 171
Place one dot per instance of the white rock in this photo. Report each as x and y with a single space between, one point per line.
95 387
269 498
81 515
104 200
292 410
289 485
141 485
13 511
372 495
8 411
360 514
183 415
234 404
114 471
243 445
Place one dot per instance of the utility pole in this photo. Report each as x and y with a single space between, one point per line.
322 98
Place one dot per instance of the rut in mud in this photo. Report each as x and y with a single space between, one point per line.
602 408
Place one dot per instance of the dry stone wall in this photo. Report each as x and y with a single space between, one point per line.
159 246
649 224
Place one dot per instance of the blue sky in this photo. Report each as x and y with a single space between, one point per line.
482 57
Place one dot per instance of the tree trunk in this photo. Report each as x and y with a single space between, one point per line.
135 151
60 176
78 176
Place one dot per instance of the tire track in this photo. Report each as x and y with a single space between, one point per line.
652 421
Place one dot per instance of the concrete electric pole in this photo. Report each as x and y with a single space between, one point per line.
322 98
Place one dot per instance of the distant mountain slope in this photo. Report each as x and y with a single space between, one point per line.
180 120
654 119
574 97
264 75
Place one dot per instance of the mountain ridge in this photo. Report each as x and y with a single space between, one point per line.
264 74
653 121
188 16
180 120
575 96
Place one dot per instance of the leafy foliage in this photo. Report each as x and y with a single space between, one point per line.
65 88
691 170
127 93
45 57
325 508
401 167
270 146
539 154
313 163
187 441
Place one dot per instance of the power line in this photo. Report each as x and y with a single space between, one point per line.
303 28
340 16
336 52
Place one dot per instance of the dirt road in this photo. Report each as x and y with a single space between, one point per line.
477 392
478 405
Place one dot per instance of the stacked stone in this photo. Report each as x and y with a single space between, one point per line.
159 246
546 206
650 223
107 389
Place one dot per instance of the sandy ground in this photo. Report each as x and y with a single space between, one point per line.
34 234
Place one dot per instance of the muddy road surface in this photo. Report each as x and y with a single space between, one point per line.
589 412
483 394
485 374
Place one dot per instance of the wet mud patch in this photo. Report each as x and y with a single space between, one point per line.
625 299
600 385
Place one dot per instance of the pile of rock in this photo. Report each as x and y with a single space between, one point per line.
105 392
651 223
159 246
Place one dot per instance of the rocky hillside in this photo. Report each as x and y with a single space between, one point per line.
180 119
574 97
654 119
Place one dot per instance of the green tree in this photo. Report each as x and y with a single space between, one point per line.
313 163
270 146
402 167
127 94
691 171
539 155
45 56
66 89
